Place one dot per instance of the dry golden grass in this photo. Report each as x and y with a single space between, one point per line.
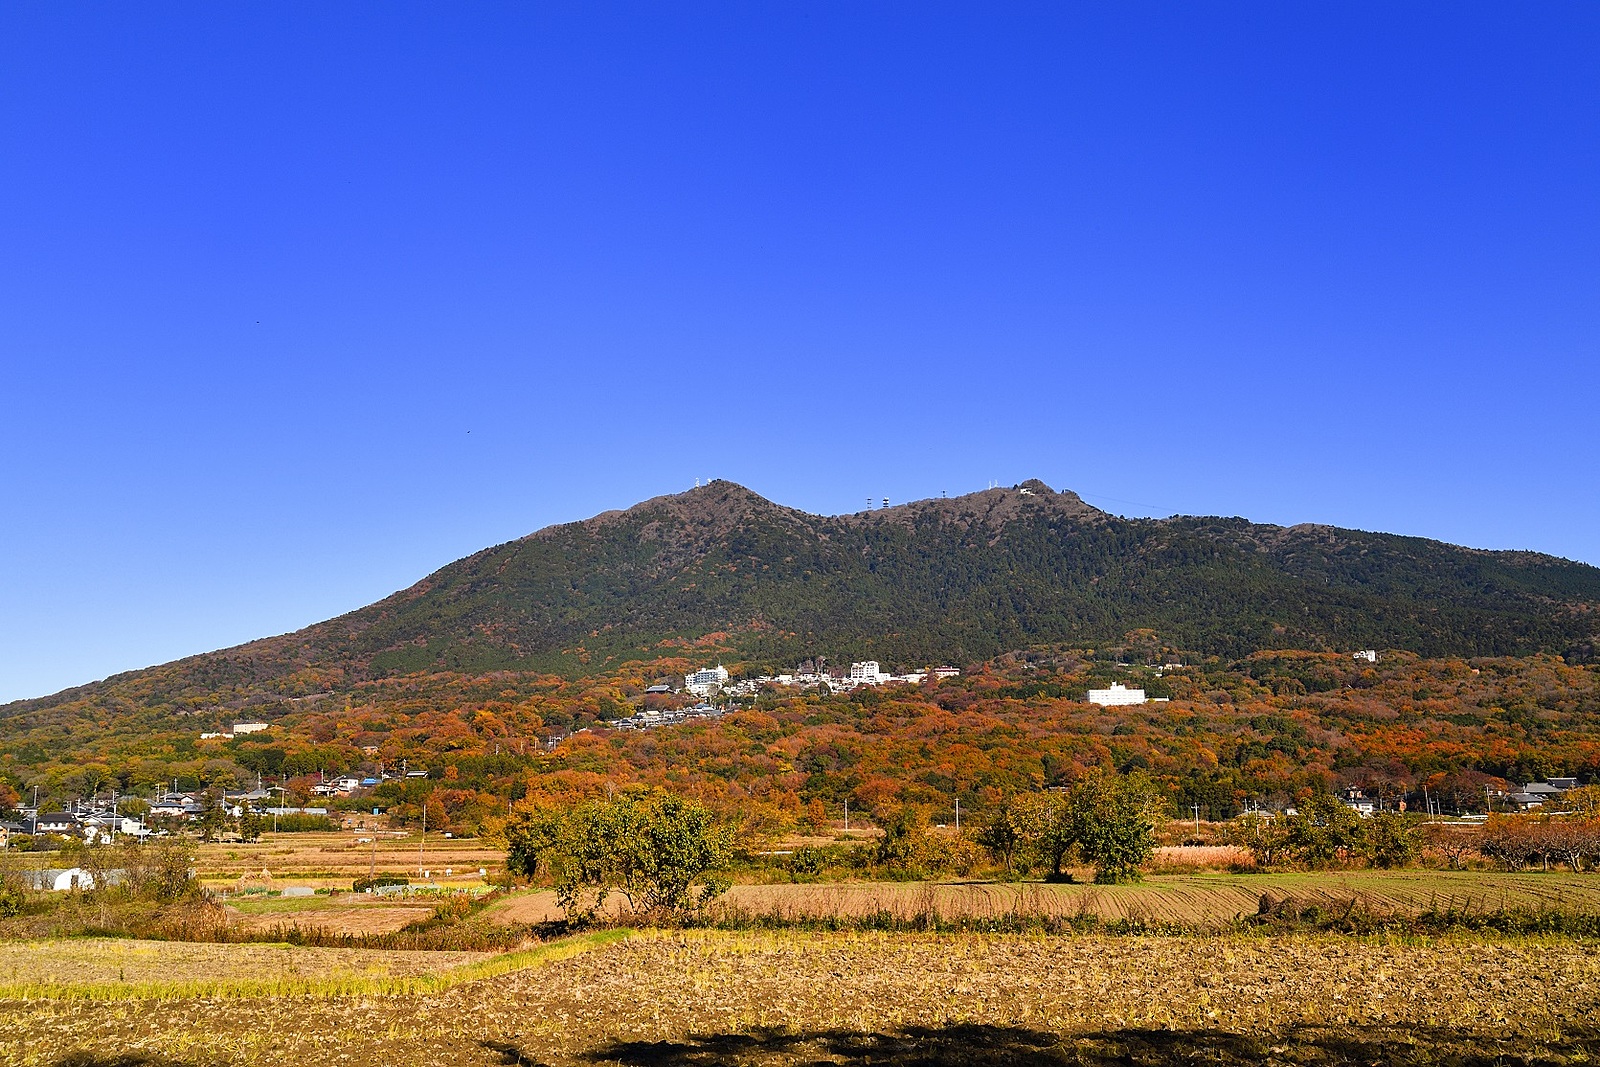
355 918
98 960
705 998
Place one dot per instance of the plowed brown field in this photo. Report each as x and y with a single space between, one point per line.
1194 900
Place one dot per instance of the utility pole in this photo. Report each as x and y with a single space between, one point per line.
1196 808
846 812
277 808
424 839
958 815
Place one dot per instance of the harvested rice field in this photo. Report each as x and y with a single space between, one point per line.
344 914
334 860
79 961
1207 900
790 998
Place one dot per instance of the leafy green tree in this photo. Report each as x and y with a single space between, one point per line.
652 847
1004 834
251 825
1392 839
904 847
1266 836
1112 819
214 817
1323 830
1048 830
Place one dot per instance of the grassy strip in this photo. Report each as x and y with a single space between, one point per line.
381 985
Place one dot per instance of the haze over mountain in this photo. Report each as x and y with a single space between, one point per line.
936 580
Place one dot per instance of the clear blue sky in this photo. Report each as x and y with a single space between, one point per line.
299 302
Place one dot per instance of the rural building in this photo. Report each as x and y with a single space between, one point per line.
1359 802
1535 794
55 822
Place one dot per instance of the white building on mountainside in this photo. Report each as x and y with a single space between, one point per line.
1117 695
866 673
701 682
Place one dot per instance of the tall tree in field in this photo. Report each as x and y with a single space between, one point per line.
658 850
1112 819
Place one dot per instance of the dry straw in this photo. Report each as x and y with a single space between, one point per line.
337 985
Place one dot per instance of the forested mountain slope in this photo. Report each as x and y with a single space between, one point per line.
936 580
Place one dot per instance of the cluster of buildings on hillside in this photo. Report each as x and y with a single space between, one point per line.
644 720
711 681
235 730
91 822
1520 798
96 820
1536 794
869 672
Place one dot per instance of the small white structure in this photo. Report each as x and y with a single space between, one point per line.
701 682
865 673
59 879
1116 696
1368 654
249 727
942 673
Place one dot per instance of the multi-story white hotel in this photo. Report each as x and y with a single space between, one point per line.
700 682
1118 694
867 672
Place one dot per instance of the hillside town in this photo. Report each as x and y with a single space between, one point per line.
710 683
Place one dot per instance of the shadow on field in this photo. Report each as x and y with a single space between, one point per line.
971 1045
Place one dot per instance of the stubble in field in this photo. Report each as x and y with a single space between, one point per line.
791 998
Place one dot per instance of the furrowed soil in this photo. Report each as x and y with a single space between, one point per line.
1206 901
790 998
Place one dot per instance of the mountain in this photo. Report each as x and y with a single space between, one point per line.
935 580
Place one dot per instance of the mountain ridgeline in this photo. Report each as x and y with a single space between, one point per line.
955 580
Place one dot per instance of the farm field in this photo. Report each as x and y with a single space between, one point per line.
1194 900
80 961
343 913
335 859
710 998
